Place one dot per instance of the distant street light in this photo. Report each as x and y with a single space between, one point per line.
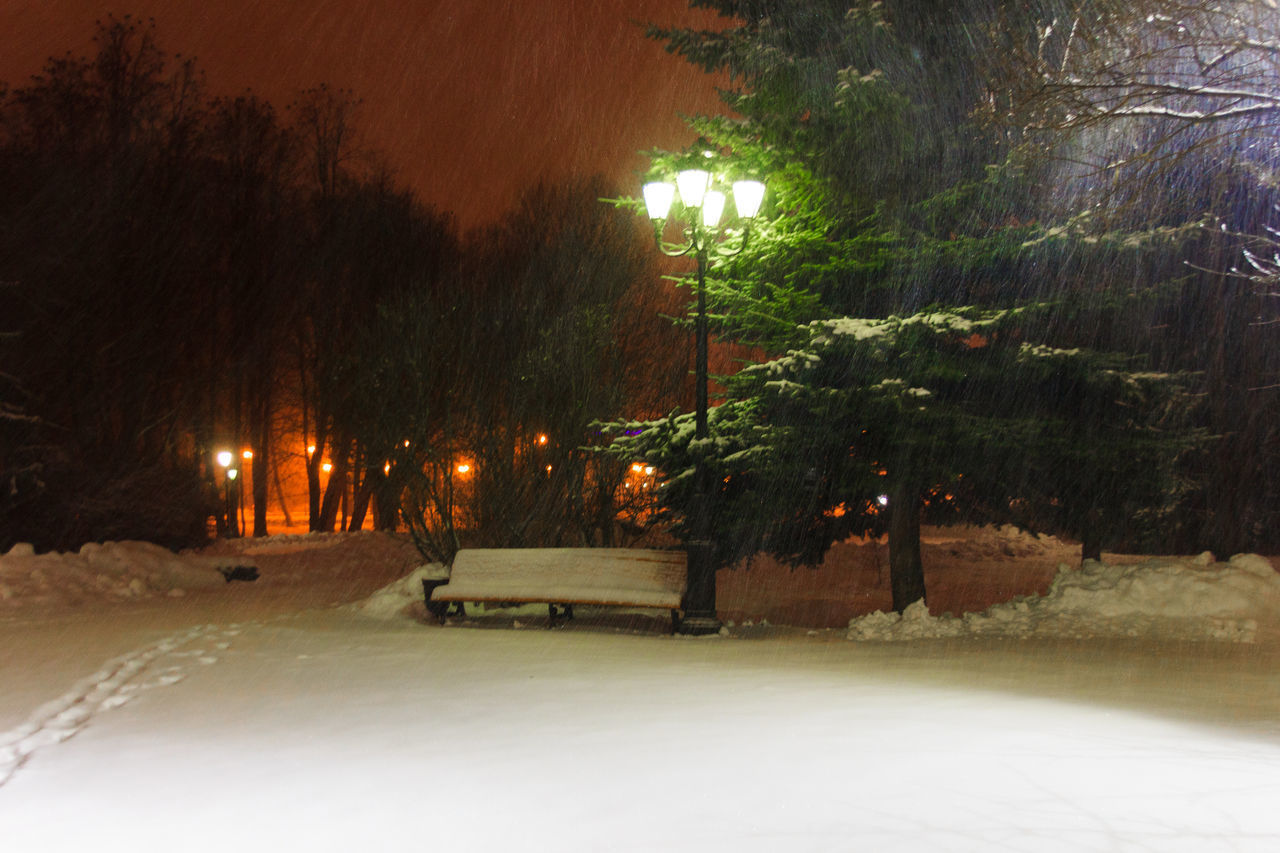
223 458
702 203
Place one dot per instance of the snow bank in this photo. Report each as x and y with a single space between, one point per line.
1165 598
403 597
289 543
116 570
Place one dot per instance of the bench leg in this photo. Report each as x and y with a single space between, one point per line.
438 609
675 621
554 613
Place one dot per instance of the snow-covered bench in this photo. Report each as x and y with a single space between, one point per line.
612 577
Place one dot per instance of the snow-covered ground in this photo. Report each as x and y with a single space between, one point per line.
1122 707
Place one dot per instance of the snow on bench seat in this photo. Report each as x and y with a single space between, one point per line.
598 576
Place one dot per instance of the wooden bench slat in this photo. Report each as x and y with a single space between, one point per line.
598 576
564 595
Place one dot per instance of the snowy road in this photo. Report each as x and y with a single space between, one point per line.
328 730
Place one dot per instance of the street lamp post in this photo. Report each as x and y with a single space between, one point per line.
702 204
237 520
232 526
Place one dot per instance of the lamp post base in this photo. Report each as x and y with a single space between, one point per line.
699 625
700 597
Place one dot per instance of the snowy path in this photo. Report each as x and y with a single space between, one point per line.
331 731
117 682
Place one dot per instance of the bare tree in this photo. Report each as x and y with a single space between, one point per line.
327 119
1163 115
324 119
1131 94
102 216
1079 63
569 340
256 158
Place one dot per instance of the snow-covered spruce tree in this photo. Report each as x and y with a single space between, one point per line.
948 416
911 300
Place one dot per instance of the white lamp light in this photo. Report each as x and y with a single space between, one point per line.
232 473
658 196
224 458
712 207
748 196
693 185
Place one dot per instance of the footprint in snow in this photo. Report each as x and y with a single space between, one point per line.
110 687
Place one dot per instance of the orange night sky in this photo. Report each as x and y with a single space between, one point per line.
469 100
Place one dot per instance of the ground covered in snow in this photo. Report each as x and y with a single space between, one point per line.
149 704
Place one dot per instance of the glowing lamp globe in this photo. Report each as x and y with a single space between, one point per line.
712 208
747 197
224 458
693 184
657 199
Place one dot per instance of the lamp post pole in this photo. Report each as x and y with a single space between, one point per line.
232 524
702 205
233 488
700 586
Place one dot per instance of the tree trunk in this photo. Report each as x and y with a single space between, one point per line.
262 467
906 570
1091 537
360 500
336 490
313 492
605 514
386 501
275 478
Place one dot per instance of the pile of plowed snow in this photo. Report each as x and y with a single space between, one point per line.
1162 598
403 597
115 570
1191 598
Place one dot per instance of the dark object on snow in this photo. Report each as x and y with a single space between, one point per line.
239 573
